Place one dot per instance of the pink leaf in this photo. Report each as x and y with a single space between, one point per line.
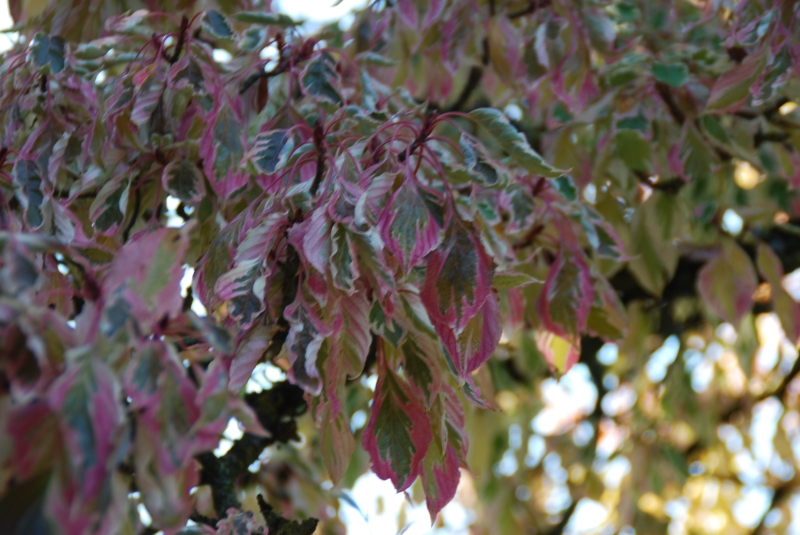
408 227
567 296
398 433
472 345
458 278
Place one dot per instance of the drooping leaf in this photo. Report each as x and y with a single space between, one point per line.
265 19
732 89
217 25
398 433
512 279
560 353
182 180
788 311
317 79
672 74
727 282
458 278
29 183
514 142
567 296
272 150
408 227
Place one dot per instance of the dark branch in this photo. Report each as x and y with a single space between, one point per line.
666 95
280 526
181 40
276 410
533 5
425 131
319 144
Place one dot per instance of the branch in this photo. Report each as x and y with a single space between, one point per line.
181 40
666 95
276 410
427 129
533 5
777 496
559 528
319 144
137 202
280 526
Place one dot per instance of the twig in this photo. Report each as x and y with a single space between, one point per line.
181 40
280 526
137 202
425 131
533 5
319 144
672 106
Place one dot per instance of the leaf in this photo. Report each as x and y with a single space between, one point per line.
512 279
86 399
265 19
472 345
561 354
377 60
352 330
479 165
458 278
514 142
249 351
672 74
440 471
788 311
337 443
632 149
732 89
182 180
567 296
146 275
566 187
695 155
420 352
29 181
217 25
727 282
344 269
398 433
408 227
317 79
271 150
306 335
49 52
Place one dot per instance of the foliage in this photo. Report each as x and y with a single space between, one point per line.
374 210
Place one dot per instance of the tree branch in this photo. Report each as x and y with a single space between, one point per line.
533 5
666 95
181 40
276 409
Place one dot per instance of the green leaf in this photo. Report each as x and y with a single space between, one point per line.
217 25
371 58
182 180
672 74
733 87
566 187
29 182
316 79
633 150
49 51
505 280
272 151
514 142
265 19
